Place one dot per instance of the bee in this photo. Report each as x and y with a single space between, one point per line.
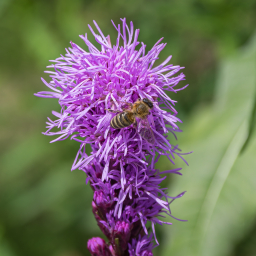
139 110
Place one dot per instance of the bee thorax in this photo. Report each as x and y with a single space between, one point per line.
142 110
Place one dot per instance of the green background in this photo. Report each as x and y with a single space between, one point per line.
46 210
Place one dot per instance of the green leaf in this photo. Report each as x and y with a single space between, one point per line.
6 250
220 182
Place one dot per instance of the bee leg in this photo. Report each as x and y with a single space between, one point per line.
112 111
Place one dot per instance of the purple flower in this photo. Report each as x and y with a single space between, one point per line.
141 247
91 87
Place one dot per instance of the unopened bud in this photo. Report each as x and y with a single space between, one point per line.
122 231
98 247
102 201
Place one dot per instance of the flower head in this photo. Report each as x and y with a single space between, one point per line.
92 87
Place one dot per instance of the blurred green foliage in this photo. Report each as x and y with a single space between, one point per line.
220 202
45 209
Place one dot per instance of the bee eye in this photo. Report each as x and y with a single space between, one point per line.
148 102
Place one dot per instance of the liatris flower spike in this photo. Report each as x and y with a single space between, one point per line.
113 99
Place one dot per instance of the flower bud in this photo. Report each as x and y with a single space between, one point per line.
98 247
100 218
102 201
122 232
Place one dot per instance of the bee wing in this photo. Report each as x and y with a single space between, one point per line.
151 120
126 105
145 131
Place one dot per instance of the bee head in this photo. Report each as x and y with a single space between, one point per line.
148 102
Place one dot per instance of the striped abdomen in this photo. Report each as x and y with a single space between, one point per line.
122 120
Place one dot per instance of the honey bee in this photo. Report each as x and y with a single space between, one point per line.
140 110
